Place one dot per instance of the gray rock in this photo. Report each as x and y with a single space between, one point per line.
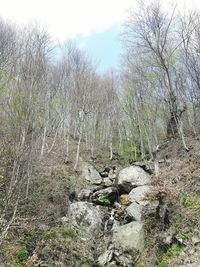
131 177
85 218
138 194
43 227
107 182
90 173
134 211
105 258
84 194
129 237
128 243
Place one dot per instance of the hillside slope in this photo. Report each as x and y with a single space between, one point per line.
43 234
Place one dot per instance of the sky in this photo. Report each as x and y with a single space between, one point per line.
94 24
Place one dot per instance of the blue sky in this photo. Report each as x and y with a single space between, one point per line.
103 47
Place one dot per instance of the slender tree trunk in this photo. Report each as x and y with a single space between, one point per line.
43 142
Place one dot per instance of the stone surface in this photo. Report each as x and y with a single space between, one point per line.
124 199
105 258
84 194
128 243
134 211
131 177
138 194
85 218
129 237
107 182
90 173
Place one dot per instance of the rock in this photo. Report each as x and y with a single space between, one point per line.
129 236
146 167
105 196
134 211
84 194
104 174
90 173
131 177
128 243
117 205
105 258
107 182
43 228
124 199
112 175
85 218
138 194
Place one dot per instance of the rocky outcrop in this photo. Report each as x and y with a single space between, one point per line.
132 177
121 226
138 194
85 218
127 244
129 237
90 173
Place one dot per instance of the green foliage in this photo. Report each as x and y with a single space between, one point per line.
177 249
105 201
186 236
131 152
189 202
163 256
31 238
2 251
20 257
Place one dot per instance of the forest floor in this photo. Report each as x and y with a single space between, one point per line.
38 237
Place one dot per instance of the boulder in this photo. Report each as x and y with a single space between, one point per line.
128 243
134 211
85 218
131 177
129 237
125 247
105 196
138 194
90 173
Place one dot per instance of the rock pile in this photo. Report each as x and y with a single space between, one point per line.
109 213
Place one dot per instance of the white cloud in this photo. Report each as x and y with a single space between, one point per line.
67 18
